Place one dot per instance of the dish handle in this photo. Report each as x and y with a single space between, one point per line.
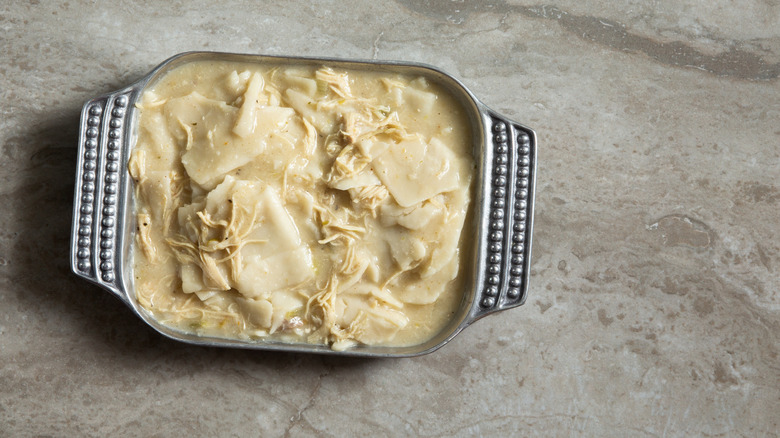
510 176
96 238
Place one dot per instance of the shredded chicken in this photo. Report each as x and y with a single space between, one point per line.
144 221
136 165
334 226
337 82
348 163
369 197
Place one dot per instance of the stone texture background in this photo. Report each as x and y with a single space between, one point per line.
654 307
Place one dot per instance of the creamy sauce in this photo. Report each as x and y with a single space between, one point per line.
302 204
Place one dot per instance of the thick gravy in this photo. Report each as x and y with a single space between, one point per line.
302 204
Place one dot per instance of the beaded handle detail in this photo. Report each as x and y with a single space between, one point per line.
96 239
511 174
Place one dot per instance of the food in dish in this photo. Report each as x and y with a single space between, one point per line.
300 203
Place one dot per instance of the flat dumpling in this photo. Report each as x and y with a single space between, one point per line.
263 275
369 315
427 290
244 223
212 148
415 170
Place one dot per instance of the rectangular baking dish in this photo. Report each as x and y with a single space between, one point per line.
502 208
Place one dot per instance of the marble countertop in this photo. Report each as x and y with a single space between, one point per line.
654 306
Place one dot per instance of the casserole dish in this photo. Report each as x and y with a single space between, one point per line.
496 243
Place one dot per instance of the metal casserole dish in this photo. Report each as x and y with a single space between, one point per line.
502 206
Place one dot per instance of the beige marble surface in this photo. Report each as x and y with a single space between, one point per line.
654 307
